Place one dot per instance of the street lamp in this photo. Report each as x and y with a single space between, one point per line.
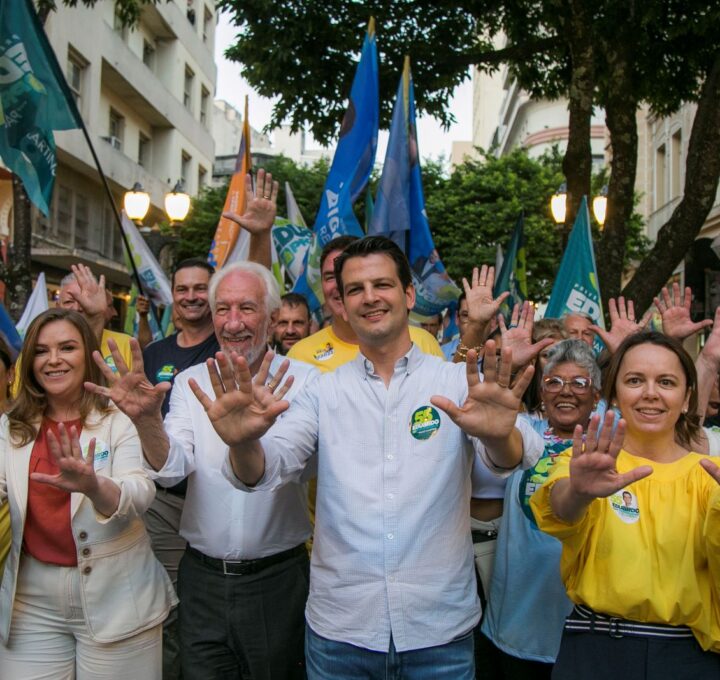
558 204
136 203
177 203
600 206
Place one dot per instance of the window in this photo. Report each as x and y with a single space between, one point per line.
207 25
118 27
187 90
82 221
75 74
144 151
63 219
204 99
185 159
675 182
202 177
148 55
116 130
660 168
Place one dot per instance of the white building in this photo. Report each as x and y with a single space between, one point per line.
145 95
227 132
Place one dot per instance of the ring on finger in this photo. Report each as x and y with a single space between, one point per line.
266 196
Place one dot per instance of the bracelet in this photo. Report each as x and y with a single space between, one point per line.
462 350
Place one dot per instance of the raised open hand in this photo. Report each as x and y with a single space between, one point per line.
593 467
622 323
129 390
675 312
482 307
491 407
244 409
518 336
77 474
91 296
260 206
711 350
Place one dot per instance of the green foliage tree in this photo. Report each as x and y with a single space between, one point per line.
476 207
614 54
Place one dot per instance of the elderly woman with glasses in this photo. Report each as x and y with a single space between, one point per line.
527 604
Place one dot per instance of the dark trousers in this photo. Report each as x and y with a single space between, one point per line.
237 627
589 656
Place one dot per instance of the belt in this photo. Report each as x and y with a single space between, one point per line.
583 619
483 535
247 567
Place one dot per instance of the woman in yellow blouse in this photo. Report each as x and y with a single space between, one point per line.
638 515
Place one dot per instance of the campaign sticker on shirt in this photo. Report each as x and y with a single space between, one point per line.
424 422
102 454
110 362
166 373
324 353
625 506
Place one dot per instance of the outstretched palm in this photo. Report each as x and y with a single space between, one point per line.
261 205
76 474
129 390
491 407
622 323
518 337
675 311
593 467
243 409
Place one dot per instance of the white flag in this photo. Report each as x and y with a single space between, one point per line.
293 212
36 305
154 282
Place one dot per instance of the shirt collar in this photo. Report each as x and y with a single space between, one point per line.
408 362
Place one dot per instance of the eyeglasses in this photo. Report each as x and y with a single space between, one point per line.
577 385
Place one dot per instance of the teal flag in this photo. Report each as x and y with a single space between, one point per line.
34 101
576 289
512 277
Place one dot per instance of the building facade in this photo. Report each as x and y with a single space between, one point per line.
146 95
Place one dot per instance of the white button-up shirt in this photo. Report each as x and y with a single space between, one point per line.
392 552
216 519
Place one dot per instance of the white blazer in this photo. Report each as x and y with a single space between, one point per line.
124 589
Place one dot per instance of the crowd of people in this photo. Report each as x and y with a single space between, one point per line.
255 497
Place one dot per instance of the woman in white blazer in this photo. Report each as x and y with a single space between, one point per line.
82 595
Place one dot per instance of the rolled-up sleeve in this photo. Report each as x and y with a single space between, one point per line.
533 447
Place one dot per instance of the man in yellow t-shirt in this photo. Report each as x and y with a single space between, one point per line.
337 344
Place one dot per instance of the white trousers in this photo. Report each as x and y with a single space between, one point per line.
49 639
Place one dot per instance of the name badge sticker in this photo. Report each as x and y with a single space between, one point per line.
424 422
624 504
102 454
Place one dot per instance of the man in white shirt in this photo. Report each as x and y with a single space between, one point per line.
393 590
243 580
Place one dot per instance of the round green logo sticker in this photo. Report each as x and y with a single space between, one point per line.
424 422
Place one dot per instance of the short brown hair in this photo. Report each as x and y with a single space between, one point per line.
687 428
30 402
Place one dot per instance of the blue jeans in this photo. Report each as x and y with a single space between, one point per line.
330 660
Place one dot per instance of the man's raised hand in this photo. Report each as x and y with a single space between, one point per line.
129 390
243 409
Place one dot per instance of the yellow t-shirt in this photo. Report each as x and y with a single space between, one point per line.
123 343
650 552
326 351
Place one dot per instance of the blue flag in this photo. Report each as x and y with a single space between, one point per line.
350 170
576 289
512 277
9 333
34 101
399 211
